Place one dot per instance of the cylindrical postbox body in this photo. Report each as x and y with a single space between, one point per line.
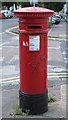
33 29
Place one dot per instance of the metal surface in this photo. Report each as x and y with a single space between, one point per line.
33 21
32 12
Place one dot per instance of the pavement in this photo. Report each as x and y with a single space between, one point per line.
56 86
55 110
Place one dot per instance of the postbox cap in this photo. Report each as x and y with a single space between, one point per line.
33 12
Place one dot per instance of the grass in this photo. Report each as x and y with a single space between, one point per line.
27 112
18 111
51 99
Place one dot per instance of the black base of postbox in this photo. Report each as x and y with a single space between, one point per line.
34 104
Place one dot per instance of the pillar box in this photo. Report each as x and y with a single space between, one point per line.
33 29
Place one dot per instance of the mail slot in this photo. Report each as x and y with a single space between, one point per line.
34 27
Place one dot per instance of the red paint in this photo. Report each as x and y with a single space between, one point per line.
33 64
2 16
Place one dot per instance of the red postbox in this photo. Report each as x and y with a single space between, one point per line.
33 29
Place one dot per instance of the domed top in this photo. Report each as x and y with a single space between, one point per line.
33 12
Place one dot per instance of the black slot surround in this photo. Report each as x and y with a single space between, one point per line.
34 27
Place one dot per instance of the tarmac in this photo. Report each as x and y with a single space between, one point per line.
57 88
